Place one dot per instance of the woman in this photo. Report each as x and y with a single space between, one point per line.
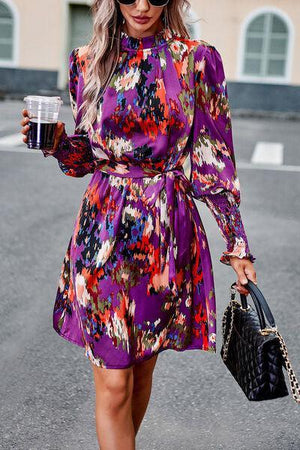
137 276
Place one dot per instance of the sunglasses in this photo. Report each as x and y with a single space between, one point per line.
152 2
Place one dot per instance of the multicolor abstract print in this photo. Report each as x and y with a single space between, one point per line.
137 275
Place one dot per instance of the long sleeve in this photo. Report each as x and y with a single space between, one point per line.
213 169
74 153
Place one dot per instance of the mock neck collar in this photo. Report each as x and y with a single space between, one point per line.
139 43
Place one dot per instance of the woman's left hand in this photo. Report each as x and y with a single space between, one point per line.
245 271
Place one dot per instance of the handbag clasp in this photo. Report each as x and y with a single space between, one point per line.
267 330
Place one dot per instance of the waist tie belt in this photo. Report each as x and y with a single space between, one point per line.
165 180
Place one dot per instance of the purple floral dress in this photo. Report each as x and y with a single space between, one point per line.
137 275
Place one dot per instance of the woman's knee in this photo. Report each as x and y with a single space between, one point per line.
113 387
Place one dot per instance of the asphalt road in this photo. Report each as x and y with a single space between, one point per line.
46 384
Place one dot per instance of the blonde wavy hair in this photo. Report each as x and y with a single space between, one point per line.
104 49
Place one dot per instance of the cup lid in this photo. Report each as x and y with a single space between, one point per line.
42 99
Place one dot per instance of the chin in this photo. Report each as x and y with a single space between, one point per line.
140 26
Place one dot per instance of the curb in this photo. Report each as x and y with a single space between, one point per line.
235 112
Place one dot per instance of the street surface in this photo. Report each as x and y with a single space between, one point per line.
46 384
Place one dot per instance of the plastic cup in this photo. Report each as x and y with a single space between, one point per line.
43 114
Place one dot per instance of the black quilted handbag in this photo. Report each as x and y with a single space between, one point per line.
253 352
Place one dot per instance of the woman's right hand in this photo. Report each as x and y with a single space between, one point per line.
60 128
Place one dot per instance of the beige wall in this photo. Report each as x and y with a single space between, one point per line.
43 37
41 33
221 24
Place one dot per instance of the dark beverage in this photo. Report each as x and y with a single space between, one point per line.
43 116
40 134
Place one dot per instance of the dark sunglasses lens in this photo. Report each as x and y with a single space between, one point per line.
153 2
158 2
126 2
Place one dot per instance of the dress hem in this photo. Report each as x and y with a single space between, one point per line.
68 338
161 349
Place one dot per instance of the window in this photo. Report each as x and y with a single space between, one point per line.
266 46
6 33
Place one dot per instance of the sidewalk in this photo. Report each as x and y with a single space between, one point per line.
284 115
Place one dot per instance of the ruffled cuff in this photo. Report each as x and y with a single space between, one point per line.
62 143
75 155
239 248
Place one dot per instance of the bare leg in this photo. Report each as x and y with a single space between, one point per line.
113 408
142 373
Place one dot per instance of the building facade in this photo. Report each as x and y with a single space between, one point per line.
257 40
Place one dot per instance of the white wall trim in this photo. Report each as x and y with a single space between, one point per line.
242 41
16 36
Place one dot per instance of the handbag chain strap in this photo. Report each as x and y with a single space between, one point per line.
291 374
292 377
231 308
